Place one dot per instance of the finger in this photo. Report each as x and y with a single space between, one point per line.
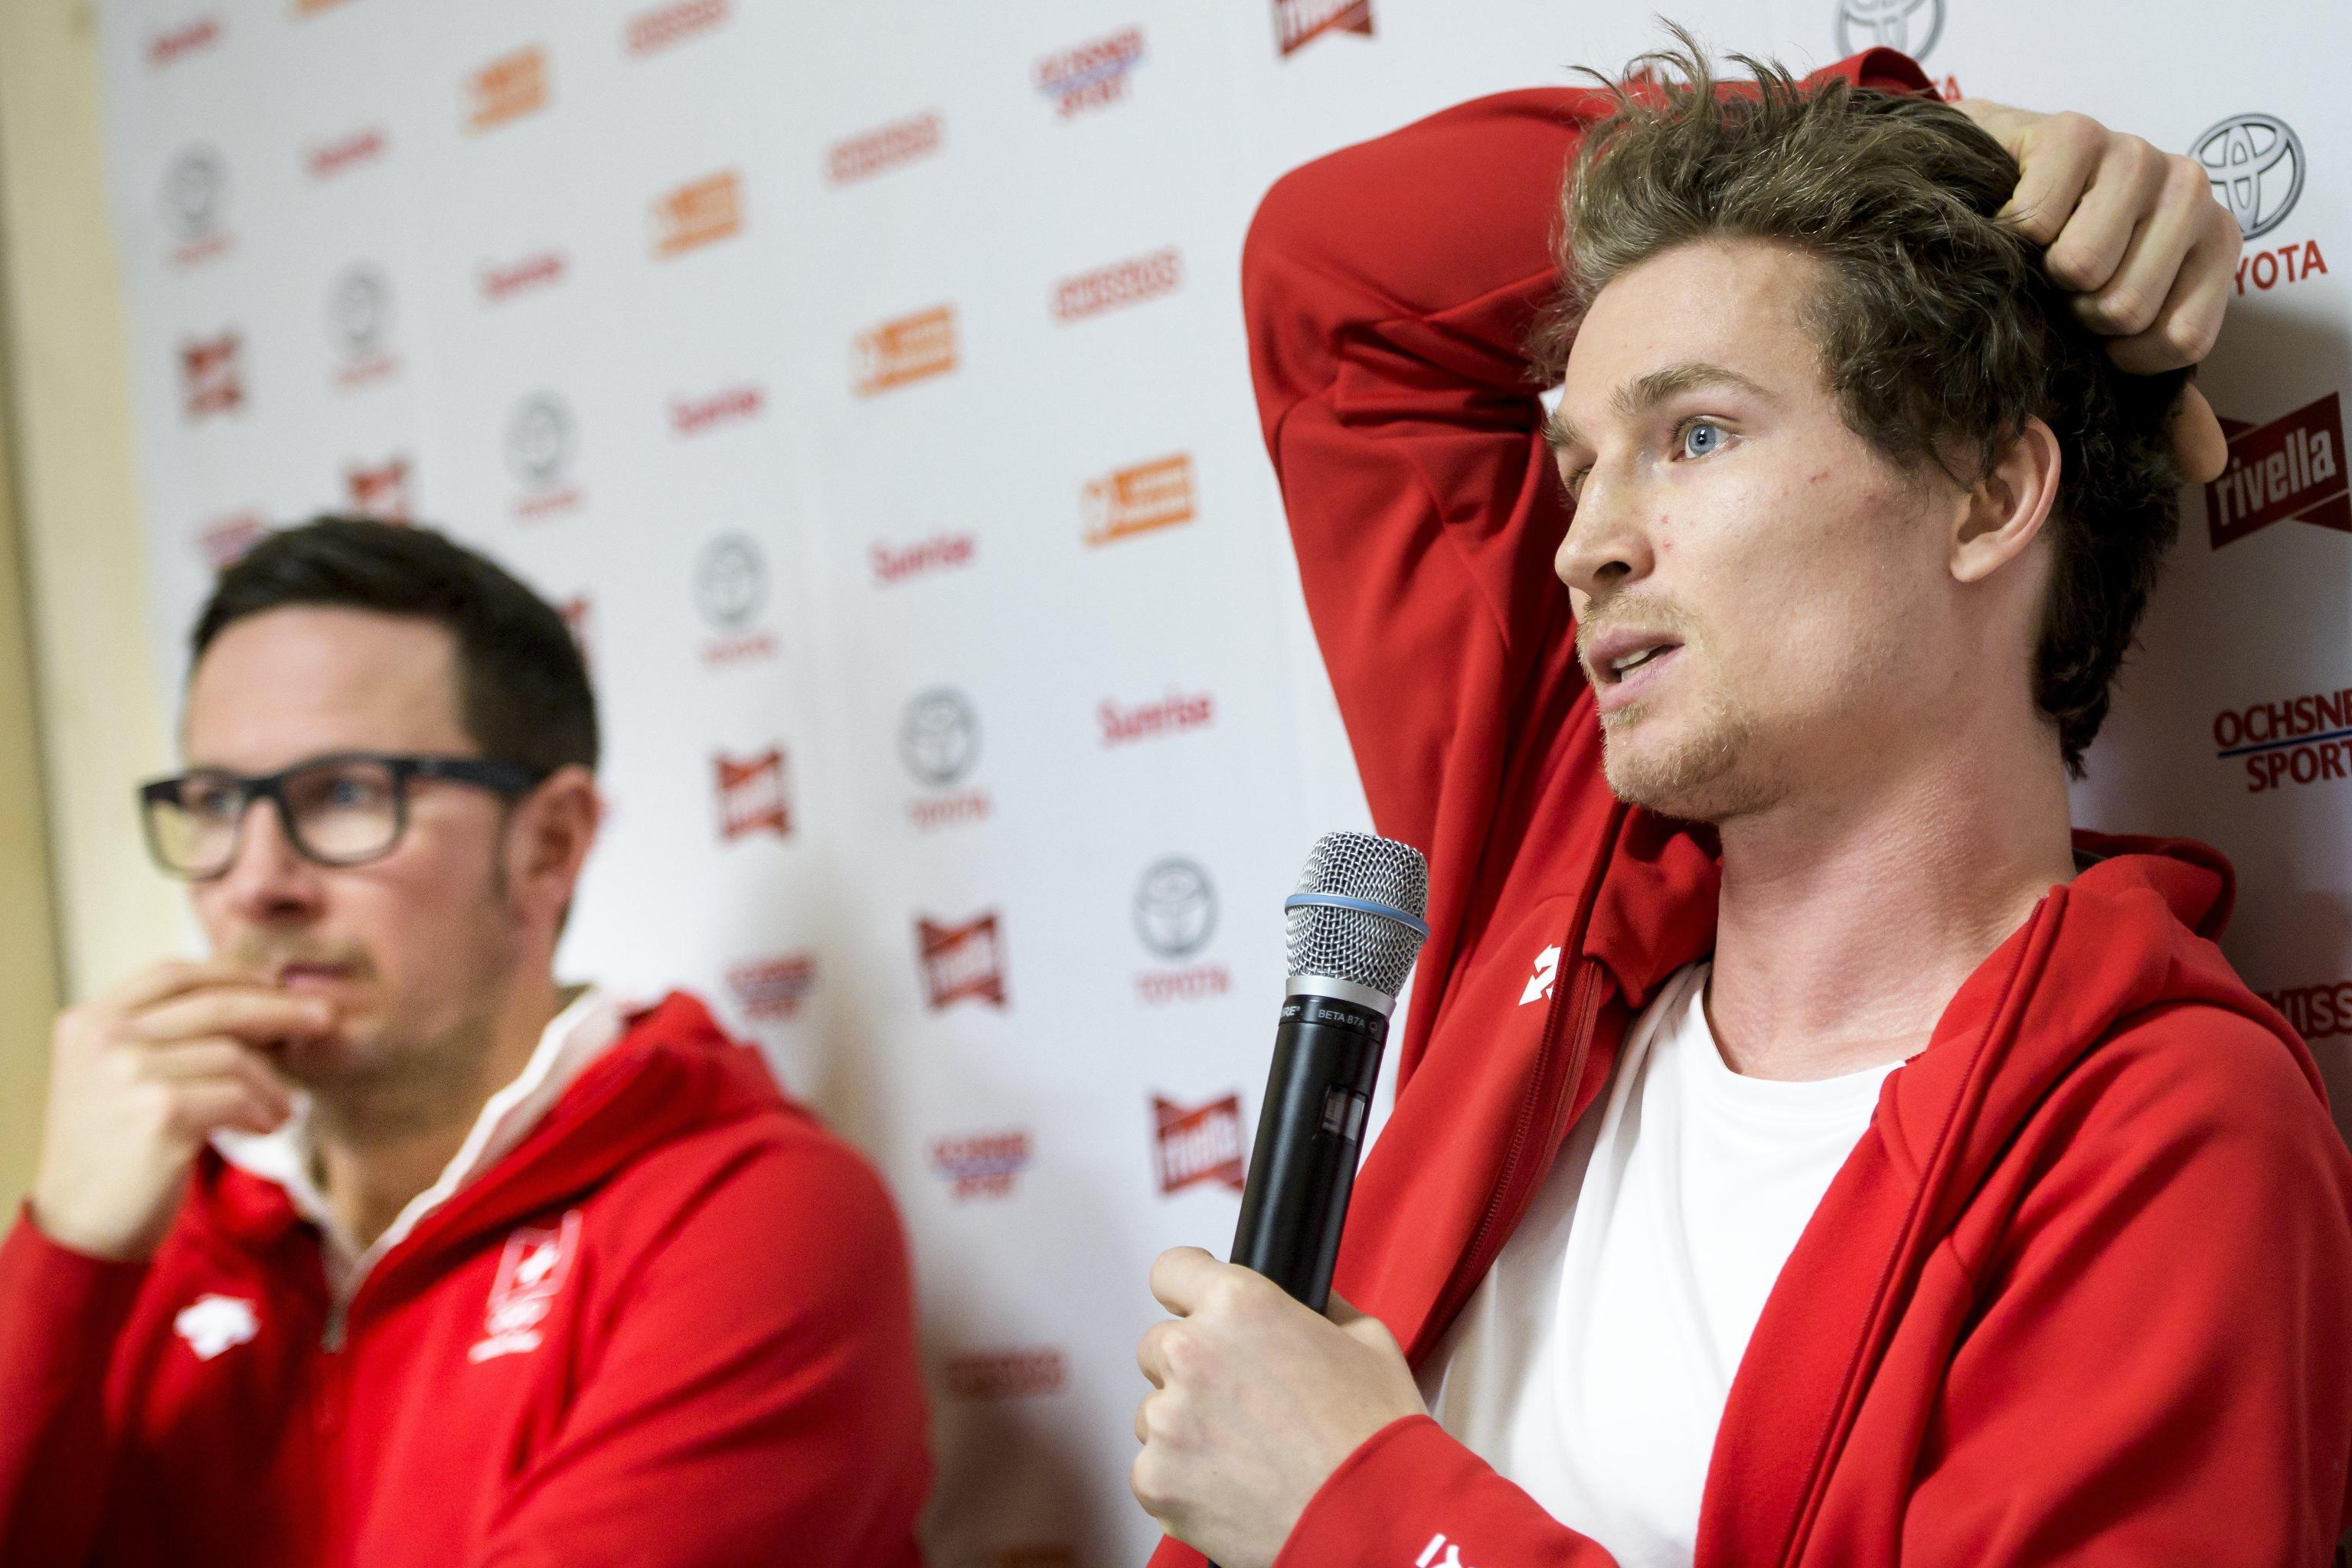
173 976
1179 1276
1151 1354
201 1109
2056 160
219 1059
1142 1432
2087 250
2189 321
253 1013
2172 238
2198 445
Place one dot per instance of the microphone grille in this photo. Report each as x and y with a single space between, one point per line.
1358 945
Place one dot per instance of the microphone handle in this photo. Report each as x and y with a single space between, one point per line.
1310 1130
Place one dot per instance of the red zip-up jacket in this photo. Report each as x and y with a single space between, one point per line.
2082 1292
718 1368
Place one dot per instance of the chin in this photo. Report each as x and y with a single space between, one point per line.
1700 774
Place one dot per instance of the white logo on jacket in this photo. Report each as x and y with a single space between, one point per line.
1539 983
211 1324
532 1271
1452 1558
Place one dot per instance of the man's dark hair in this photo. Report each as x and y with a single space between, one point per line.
1939 331
522 685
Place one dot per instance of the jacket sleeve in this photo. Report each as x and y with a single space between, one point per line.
2160 1370
758 1393
60 1315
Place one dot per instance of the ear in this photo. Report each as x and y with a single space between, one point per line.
548 839
2005 508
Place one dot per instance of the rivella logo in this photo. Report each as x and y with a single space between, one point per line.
221 540
885 147
772 988
503 280
728 406
2289 470
960 962
195 205
1093 75
2300 739
752 794
1128 282
910 348
325 160
381 490
2256 165
211 376
1139 500
699 213
540 437
506 88
1910 26
981 1164
1199 1145
940 552
1298 23
359 321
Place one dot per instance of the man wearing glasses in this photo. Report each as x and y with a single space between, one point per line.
363 1240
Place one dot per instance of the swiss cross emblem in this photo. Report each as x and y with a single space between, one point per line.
532 1271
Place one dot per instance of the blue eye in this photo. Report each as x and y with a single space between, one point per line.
1701 438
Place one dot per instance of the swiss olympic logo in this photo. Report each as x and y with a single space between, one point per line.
1175 908
938 738
730 581
2256 161
1911 26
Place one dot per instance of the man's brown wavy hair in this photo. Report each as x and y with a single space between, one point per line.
1939 331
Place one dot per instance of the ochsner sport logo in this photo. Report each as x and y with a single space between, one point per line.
2292 739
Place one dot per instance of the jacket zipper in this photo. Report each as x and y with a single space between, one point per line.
1580 998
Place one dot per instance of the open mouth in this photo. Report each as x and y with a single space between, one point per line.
1620 667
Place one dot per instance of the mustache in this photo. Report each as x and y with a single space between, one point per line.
275 954
1651 616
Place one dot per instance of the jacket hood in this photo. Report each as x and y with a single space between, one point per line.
673 1073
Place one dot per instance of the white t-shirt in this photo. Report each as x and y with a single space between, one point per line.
1592 1366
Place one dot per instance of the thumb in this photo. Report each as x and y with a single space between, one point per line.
2197 439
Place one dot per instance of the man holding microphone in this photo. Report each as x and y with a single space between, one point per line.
1808 1150
365 1240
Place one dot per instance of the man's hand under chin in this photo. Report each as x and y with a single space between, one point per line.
1259 1401
2135 235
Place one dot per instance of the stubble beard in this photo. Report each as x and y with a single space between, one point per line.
1706 774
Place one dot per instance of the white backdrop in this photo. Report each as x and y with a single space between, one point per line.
867 382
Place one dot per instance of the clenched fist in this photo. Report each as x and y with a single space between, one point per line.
139 1078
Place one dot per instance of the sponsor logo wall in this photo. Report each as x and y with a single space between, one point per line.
868 390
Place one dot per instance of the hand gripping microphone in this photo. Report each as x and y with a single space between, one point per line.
1355 929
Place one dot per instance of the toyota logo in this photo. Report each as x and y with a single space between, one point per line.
2256 161
359 309
1175 908
538 439
195 189
939 739
730 581
1911 26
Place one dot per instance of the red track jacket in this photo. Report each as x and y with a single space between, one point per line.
2083 1293
726 1370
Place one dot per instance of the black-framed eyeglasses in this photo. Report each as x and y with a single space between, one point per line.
344 809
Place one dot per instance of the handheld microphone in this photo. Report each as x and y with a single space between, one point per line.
1356 927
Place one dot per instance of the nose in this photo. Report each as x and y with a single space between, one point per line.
1606 548
269 883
